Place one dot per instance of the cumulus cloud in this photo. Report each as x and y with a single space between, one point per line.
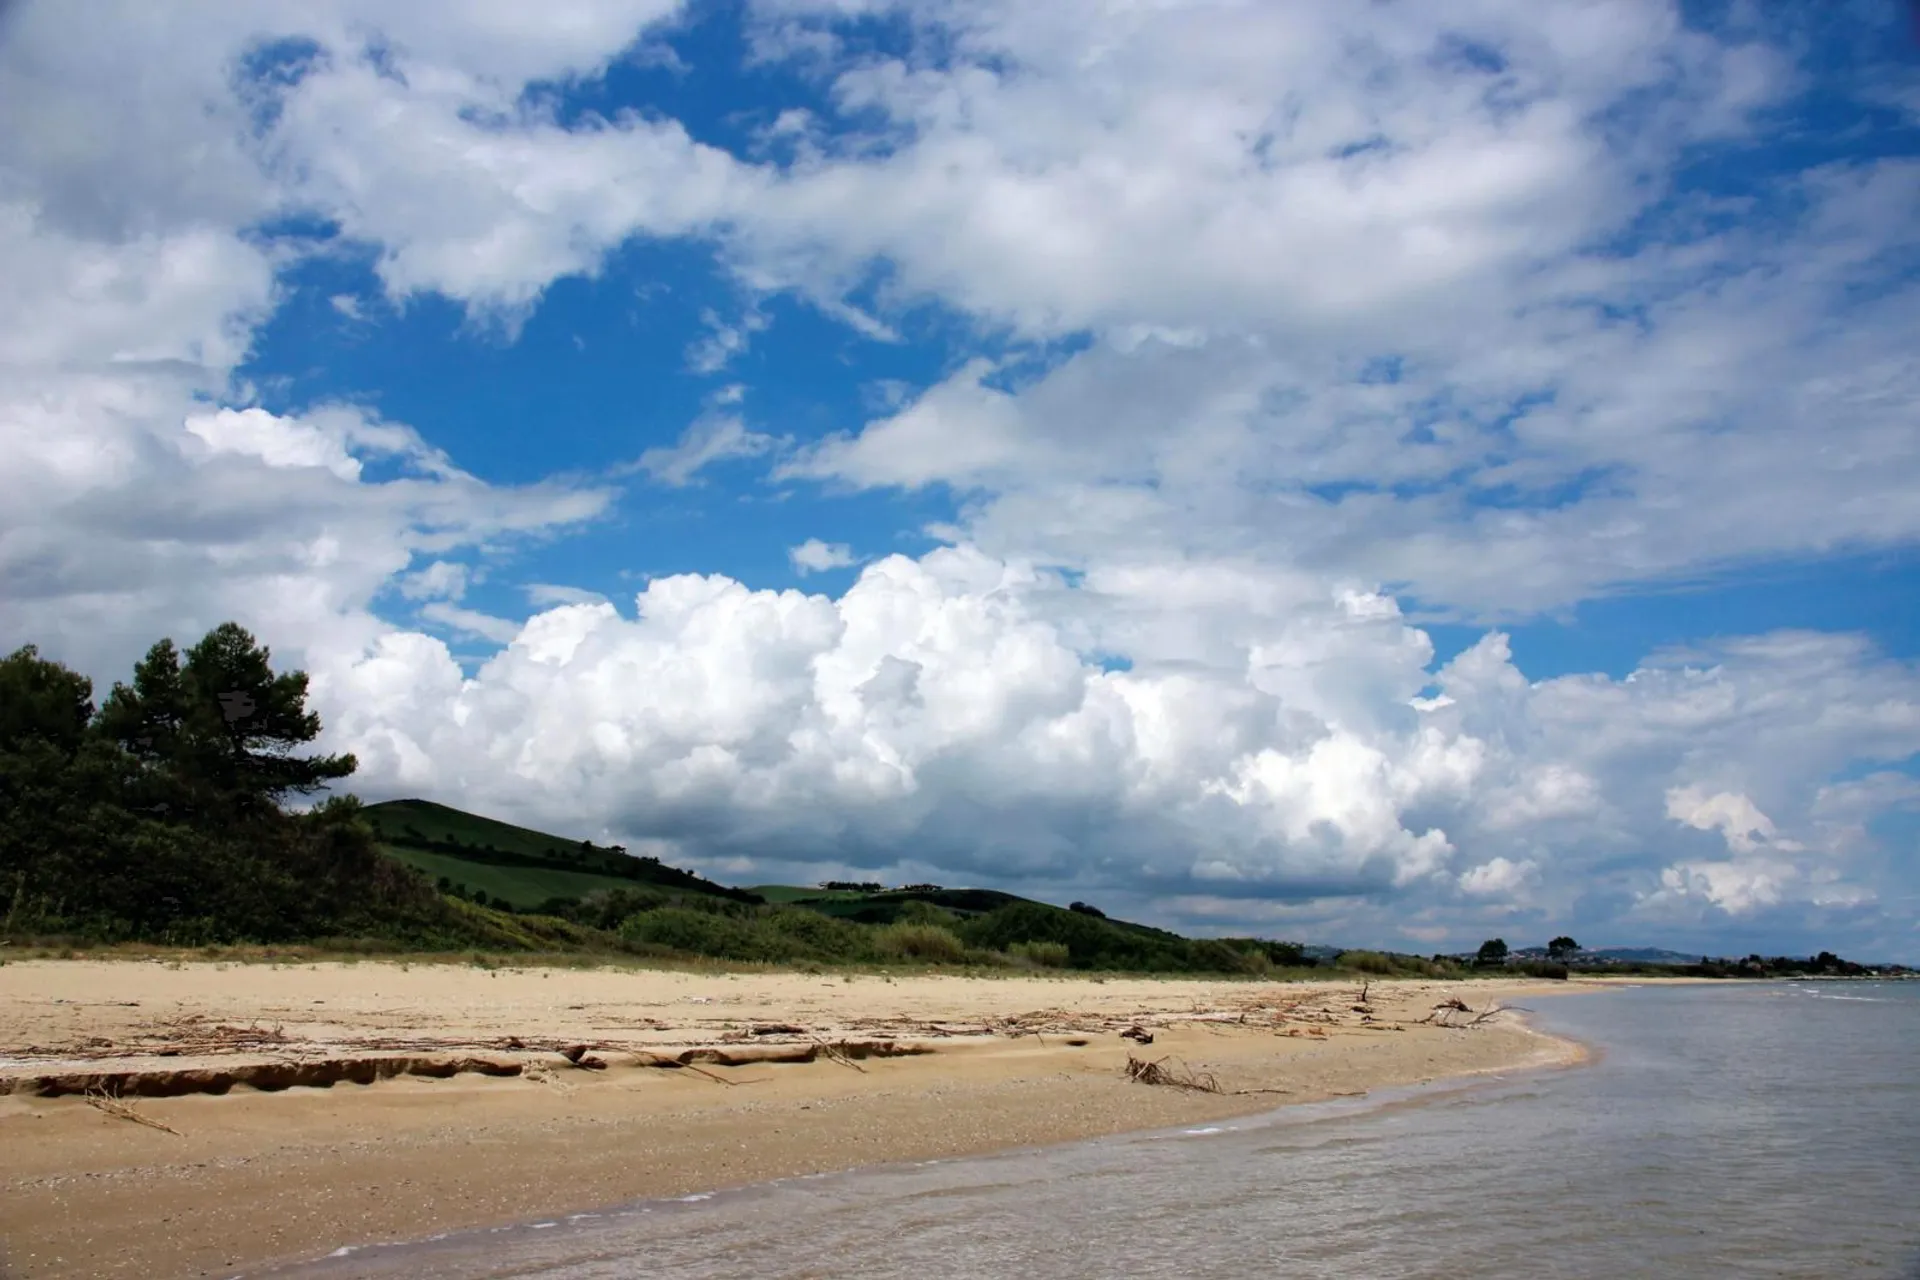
1497 878
815 556
943 715
1731 814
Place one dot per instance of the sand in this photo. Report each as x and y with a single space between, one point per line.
207 1184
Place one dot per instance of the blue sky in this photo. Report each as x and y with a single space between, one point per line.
1371 474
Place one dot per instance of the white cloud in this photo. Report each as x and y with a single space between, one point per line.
815 556
1733 815
470 622
1497 878
441 580
549 593
713 438
1256 213
723 342
784 726
1737 888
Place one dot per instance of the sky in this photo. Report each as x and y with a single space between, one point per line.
1384 473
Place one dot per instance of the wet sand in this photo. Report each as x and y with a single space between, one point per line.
210 1184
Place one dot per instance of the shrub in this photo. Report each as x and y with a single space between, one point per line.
921 912
1044 955
1544 969
799 933
931 943
1217 955
1367 962
696 932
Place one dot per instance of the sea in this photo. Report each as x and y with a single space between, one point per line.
1739 1130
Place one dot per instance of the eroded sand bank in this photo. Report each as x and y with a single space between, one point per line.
479 1113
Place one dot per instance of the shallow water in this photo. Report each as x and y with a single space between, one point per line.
1742 1131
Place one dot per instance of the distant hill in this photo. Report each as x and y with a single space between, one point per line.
883 906
525 868
518 865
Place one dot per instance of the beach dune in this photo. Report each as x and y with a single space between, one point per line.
186 1119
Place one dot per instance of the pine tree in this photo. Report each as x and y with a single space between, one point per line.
217 733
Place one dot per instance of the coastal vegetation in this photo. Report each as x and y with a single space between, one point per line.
168 815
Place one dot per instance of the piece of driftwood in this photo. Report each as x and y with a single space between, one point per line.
120 1109
838 1056
1157 1072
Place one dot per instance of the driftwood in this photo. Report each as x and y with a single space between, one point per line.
699 1070
1442 1014
1157 1072
1140 1034
838 1056
120 1109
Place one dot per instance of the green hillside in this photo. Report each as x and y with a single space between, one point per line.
517 865
639 903
887 905
522 887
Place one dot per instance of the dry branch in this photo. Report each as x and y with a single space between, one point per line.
1157 1072
120 1109
838 1056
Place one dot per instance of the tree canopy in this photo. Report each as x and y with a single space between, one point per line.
159 815
217 734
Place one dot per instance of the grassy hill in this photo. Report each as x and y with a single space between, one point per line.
518 865
639 903
887 905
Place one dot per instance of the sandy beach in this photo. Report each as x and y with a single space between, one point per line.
163 1119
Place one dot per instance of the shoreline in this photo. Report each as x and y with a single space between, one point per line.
472 1245
251 1178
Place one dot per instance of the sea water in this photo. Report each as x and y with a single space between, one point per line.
1751 1130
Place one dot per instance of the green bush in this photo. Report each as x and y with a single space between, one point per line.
1373 962
919 912
1217 955
798 933
1544 969
920 943
1043 955
696 932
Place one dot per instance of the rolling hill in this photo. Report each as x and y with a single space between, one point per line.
517 865
524 868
